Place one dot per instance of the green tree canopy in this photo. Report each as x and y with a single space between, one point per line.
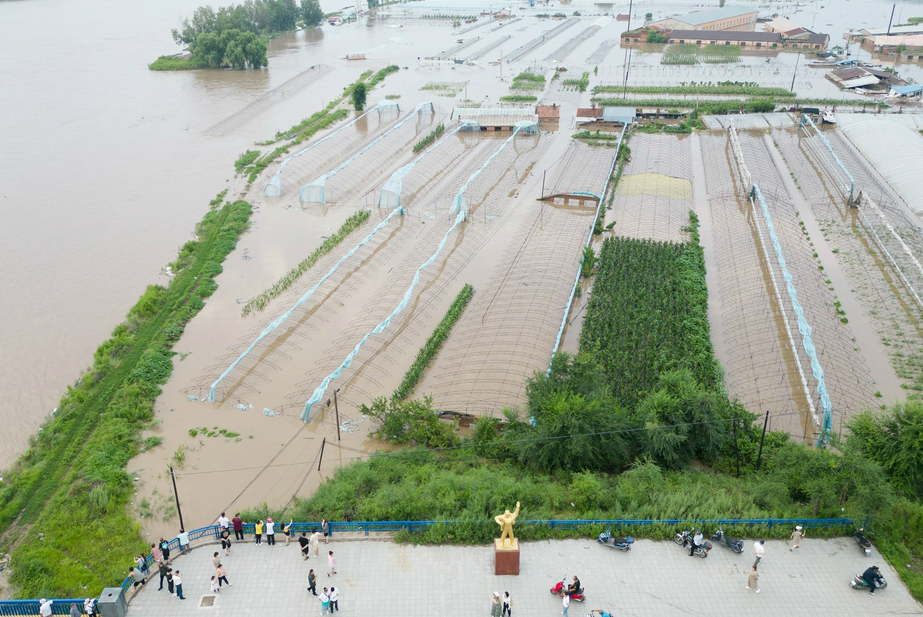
893 439
311 13
359 94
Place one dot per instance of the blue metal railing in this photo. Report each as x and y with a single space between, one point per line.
213 532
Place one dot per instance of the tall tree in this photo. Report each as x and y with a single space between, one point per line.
311 12
359 93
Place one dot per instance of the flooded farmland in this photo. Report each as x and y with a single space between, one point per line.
137 155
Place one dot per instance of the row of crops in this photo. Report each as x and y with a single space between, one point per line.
744 88
687 53
528 81
648 315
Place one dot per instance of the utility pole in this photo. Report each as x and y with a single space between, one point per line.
759 457
336 409
736 448
543 184
319 460
182 527
797 58
891 19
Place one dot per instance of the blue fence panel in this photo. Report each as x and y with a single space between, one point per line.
30 607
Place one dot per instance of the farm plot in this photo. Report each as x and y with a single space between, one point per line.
687 53
329 303
847 376
303 168
858 240
508 331
363 176
654 194
378 367
648 315
568 48
759 366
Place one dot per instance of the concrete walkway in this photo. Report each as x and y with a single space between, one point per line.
381 579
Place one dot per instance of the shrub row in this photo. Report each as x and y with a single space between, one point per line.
426 141
258 303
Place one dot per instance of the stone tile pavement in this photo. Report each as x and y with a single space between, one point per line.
382 579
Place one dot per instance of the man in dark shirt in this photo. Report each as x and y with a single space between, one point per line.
238 527
873 577
305 545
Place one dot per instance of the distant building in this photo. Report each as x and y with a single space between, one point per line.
906 91
907 45
548 113
609 115
783 25
797 36
727 18
745 40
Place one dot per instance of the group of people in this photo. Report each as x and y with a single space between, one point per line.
501 606
89 608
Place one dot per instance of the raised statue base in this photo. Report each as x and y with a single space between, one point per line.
506 558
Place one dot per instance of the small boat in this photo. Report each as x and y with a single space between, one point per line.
829 118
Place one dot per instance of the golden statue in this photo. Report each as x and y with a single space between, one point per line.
506 520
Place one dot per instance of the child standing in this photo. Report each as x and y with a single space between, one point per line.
215 587
258 531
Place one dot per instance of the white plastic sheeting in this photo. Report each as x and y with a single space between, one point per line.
893 148
390 194
313 191
273 188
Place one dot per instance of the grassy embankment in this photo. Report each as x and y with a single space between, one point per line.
64 503
258 303
251 166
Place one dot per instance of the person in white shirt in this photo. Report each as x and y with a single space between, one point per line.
758 551
334 600
270 532
696 542
315 542
45 609
324 602
89 606
223 521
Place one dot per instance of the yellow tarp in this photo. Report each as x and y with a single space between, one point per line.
657 185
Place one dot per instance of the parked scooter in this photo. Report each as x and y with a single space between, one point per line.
860 583
862 541
732 543
561 588
622 544
685 538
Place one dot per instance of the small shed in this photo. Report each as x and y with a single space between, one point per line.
911 90
548 113
620 115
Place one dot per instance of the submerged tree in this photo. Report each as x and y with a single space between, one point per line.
311 12
359 94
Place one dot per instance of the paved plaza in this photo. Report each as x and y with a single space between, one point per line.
382 579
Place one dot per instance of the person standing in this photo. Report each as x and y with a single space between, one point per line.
141 559
238 524
164 569
89 606
305 546
270 532
223 521
222 575
75 612
753 580
495 606
324 602
216 559
287 530
332 562
315 542
758 552
258 531
334 600
507 605
170 583
226 540
156 553
178 581
44 609
325 527
165 549
796 536
183 541
215 586
312 582
566 604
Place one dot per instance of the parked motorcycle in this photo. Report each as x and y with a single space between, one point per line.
685 538
732 543
862 541
561 588
860 583
622 544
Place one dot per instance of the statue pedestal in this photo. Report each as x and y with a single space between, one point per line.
506 558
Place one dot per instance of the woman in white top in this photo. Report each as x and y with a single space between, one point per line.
270 532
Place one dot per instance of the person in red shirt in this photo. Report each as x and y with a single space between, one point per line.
238 527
